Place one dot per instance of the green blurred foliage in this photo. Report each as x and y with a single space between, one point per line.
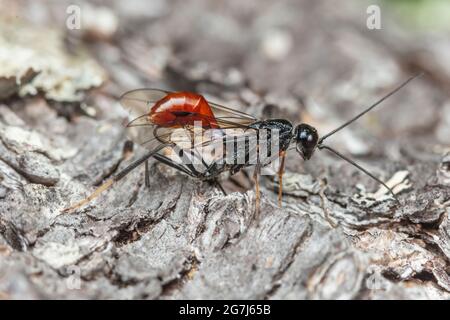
422 14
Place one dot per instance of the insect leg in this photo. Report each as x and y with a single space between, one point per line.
147 175
108 183
217 183
256 174
280 177
185 170
174 165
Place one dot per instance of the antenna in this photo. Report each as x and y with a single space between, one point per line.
369 108
321 146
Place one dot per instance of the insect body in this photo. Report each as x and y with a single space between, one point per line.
182 108
157 116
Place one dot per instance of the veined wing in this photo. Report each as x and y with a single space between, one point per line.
138 102
143 131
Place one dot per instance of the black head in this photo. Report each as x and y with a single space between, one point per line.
306 138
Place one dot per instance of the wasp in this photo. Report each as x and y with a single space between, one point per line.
169 125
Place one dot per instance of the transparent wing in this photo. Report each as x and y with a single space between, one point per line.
141 100
223 112
142 131
232 142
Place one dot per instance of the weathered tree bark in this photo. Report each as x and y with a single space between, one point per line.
335 237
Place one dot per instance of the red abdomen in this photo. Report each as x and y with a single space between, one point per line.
182 108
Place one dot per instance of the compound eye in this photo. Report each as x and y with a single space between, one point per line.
309 141
306 137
